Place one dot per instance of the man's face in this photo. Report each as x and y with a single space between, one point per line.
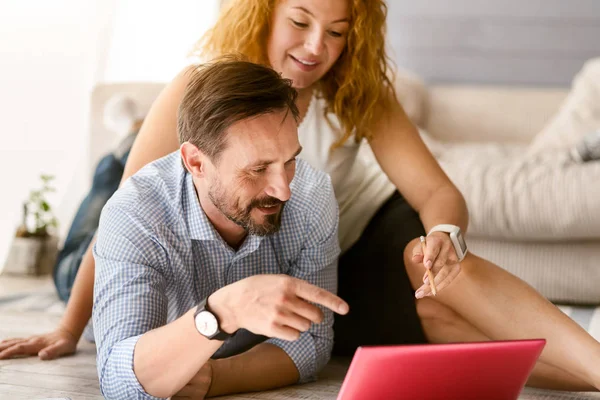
249 184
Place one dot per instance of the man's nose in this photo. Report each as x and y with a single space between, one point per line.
279 186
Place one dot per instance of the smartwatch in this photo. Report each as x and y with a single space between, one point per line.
207 323
456 237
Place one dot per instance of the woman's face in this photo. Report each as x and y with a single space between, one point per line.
307 37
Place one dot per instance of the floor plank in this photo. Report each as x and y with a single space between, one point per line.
15 392
75 377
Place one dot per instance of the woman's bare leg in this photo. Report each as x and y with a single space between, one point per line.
502 306
442 325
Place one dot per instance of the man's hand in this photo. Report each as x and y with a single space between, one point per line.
441 258
272 305
198 387
47 346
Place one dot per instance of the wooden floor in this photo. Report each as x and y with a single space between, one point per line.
30 378
75 377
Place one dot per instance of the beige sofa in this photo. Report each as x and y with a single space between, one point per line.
563 270
533 210
482 136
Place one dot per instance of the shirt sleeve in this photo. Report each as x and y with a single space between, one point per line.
129 298
317 264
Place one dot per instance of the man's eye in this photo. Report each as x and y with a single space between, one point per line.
259 170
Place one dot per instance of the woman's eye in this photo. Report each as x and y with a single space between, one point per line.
335 34
299 24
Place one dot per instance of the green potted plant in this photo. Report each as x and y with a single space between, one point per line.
34 247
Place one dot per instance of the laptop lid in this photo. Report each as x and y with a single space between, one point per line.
481 370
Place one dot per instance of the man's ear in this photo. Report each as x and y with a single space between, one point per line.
193 159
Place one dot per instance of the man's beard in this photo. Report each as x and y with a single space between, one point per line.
243 217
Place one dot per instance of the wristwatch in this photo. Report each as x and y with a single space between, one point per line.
458 241
207 323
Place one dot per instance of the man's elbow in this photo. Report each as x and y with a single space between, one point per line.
114 386
119 391
162 390
323 356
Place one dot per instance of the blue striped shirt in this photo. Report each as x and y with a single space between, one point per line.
157 256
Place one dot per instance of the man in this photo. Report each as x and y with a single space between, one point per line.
216 239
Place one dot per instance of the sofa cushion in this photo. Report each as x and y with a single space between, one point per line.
513 196
578 115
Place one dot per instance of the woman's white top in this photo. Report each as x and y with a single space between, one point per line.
360 186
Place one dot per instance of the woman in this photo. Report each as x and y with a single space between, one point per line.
334 53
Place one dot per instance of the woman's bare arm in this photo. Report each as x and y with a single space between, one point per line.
414 171
158 135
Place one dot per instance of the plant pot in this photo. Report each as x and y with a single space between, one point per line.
31 256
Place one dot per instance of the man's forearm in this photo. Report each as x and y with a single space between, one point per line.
167 358
446 206
264 367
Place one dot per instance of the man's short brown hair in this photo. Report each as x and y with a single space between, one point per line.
226 91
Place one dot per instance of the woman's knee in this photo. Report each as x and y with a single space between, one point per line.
435 319
432 310
441 324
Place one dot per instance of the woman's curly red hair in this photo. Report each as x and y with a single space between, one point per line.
356 87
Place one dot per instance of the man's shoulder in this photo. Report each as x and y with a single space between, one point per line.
153 190
311 215
310 188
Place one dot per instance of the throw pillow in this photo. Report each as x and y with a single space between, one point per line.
578 115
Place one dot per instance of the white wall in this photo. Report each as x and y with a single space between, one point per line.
52 53
151 39
48 63
516 42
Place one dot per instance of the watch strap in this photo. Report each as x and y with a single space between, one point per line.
455 237
444 228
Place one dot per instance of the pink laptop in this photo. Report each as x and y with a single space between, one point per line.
462 371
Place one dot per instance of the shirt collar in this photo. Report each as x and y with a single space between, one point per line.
201 228
197 221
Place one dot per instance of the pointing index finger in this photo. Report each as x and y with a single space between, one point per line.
321 296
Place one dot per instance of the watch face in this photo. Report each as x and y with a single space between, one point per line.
206 323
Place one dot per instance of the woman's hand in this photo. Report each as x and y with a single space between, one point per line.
198 387
441 258
47 346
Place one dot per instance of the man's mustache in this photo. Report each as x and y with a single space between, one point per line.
265 202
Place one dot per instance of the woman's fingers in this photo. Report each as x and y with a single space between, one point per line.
417 253
5 344
21 349
60 348
442 258
452 274
432 250
442 279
